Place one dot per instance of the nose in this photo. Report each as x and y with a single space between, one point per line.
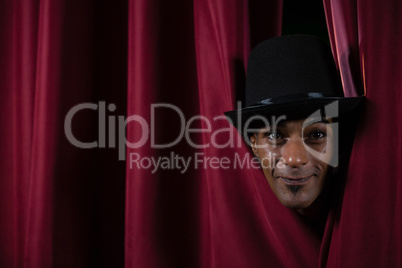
294 154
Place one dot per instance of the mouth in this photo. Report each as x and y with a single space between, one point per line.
295 180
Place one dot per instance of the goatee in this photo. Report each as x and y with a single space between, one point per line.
294 188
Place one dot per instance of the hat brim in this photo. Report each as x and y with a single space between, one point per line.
296 109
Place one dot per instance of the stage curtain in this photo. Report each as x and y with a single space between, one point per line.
366 41
154 65
60 206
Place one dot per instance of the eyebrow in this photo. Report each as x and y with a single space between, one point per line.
282 124
324 121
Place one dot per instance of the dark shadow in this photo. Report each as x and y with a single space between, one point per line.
240 81
304 17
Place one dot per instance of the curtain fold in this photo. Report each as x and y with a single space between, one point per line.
365 37
161 214
61 206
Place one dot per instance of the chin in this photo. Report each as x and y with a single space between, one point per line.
296 204
300 200
296 196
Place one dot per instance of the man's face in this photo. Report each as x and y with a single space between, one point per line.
296 177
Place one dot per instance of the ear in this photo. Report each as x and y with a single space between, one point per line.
253 143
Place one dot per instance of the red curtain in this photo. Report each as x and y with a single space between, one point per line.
62 206
367 44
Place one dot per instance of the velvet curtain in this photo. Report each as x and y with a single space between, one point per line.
366 41
63 206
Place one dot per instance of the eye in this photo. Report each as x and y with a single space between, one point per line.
274 137
317 135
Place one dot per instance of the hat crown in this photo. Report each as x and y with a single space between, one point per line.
291 65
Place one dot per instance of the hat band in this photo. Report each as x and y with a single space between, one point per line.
292 97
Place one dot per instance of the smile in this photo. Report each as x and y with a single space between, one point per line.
295 181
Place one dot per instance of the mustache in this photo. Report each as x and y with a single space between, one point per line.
293 174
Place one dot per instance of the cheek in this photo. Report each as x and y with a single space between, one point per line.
266 161
269 153
320 148
324 173
269 158
324 154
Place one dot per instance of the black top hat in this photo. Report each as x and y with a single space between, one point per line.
292 75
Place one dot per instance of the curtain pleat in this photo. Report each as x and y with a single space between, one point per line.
61 206
25 27
161 204
367 44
